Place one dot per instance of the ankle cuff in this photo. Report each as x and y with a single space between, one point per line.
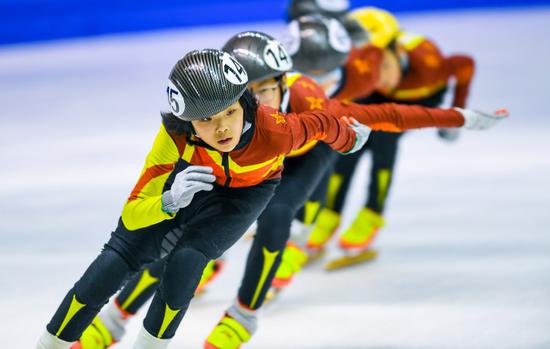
49 341
145 340
246 317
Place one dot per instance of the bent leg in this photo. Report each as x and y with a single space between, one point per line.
384 149
100 281
301 177
212 223
124 253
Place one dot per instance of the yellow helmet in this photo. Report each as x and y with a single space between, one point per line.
380 25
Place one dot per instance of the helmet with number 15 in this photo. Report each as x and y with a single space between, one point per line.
204 83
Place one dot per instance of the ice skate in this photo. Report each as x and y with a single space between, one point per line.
351 258
292 262
325 227
235 328
96 336
211 271
355 242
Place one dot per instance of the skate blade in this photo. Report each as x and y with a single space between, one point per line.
200 293
271 296
347 261
313 256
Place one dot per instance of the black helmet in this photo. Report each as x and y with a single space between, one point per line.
262 56
329 8
317 43
359 36
204 83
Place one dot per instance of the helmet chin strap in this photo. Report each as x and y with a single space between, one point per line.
246 127
403 62
285 98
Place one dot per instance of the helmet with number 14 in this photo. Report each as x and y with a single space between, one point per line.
266 62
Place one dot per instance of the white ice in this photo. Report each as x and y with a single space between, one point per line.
464 260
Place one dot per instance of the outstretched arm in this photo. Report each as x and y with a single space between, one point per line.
294 130
391 117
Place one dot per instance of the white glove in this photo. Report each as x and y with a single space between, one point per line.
362 133
477 120
186 184
450 134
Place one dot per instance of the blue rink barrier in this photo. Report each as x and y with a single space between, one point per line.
34 20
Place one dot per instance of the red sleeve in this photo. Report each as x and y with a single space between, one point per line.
306 95
425 66
462 68
292 131
361 73
392 117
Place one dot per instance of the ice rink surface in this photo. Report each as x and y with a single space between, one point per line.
465 257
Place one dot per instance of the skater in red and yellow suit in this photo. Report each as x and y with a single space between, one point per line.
302 173
385 66
213 168
303 169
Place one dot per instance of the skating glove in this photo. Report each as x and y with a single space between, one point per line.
186 184
477 120
362 133
449 134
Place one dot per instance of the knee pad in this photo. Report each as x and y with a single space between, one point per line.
102 279
182 275
156 269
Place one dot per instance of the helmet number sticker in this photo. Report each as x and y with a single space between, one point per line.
234 72
175 99
276 57
333 5
338 37
292 38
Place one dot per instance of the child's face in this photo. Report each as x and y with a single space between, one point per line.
268 92
222 131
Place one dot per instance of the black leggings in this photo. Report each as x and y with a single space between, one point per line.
300 177
384 147
211 224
